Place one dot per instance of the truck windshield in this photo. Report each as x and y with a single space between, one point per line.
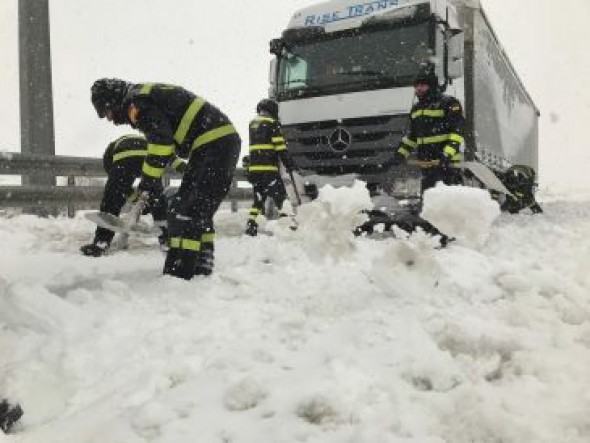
354 61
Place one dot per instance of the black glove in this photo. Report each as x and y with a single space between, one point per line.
181 167
398 159
93 250
149 186
445 161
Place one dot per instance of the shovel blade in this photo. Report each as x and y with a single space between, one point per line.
116 224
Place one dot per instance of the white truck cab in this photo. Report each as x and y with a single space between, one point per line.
343 76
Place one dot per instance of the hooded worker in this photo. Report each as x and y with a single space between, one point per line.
123 160
267 149
435 132
175 121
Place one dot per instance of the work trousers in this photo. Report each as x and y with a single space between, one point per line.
204 186
265 185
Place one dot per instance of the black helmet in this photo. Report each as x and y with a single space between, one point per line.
107 94
520 177
428 77
271 107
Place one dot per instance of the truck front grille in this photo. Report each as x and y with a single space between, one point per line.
356 145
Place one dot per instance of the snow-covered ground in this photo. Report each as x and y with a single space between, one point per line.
306 336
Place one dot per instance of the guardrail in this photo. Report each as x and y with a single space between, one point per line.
72 196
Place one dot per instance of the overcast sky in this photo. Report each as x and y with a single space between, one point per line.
220 51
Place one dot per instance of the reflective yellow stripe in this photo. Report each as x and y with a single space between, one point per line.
434 113
262 168
261 147
456 138
450 151
130 153
403 151
212 135
457 157
150 171
281 148
160 150
264 119
277 140
187 119
146 88
408 141
185 243
191 245
254 213
434 139
428 113
208 237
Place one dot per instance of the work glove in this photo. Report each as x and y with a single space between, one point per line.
445 161
397 160
181 167
147 185
94 249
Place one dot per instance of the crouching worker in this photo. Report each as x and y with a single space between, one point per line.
176 121
123 160
267 148
520 180
9 415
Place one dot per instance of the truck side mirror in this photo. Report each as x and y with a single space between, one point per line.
272 72
276 46
272 78
455 47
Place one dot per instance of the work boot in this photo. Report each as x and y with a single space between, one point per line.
9 415
95 249
181 263
206 260
252 228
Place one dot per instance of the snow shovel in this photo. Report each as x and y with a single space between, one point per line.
291 183
484 174
130 225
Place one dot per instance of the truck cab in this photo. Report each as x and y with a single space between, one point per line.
343 75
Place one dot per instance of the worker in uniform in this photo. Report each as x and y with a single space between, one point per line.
9 414
520 180
267 149
122 161
436 132
176 121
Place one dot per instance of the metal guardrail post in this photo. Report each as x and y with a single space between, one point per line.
36 97
234 202
71 207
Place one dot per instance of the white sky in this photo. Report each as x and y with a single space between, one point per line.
307 336
221 52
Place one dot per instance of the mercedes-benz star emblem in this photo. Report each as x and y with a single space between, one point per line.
340 140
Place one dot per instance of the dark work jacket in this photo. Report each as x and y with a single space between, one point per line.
174 121
267 147
437 126
131 150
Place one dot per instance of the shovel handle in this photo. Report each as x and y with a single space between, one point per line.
138 208
424 164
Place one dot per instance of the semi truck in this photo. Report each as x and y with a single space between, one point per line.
343 73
